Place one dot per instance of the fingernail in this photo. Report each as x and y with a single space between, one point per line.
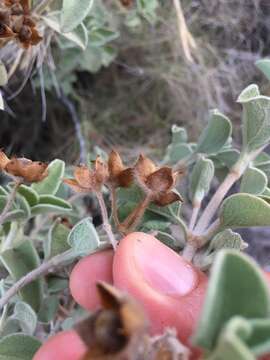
163 269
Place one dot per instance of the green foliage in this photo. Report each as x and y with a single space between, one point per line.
215 135
201 177
83 238
18 262
73 13
244 210
254 181
51 183
237 288
19 347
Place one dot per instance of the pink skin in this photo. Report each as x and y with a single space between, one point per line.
170 289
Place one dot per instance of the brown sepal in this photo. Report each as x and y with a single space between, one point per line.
119 175
6 32
4 160
161 180
113 331
74 185
83 176
101 173
144 167
167 198
29 171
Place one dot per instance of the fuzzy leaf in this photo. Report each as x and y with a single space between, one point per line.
73 13
29 194
231 343
201 177
236 287
254 181
51 183
179 135
78 36
264 66
226 158
259 341
256 118
57 240
48 309
43 209
18 347
26 316
18 263
176 152
215 135
244 210
226 239
83 238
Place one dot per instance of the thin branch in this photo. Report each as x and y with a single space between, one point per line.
195 212
42 270
234 175
105 218
9 202
114 206
187 39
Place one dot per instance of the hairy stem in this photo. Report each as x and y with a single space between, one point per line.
42 270
9 202
189 252
139 214
106 224
194 215
114 206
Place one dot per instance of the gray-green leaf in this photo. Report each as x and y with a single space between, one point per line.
201 177
244 210
51 183
84 238
73 13
254 181
256 118
18 347
216 134
26 316
237 287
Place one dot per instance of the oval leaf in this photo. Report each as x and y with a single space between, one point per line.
57 240
18 263
26 316
201 177
236 287
244 210
215 135
73 13
51 183
264 66
254 181
29 194
18 347
84 238
256 118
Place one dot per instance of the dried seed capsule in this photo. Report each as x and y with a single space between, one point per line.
16 9
25 33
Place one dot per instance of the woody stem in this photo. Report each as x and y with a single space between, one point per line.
114 206
9 202
135 217
105 218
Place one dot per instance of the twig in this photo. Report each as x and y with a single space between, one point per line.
9 202
114 206
187 39
76 121
195 212
235 173
105 218
42 270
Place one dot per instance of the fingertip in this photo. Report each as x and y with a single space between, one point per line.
86 273
66 345
170 289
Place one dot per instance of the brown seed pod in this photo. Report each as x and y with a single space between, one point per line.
119 174
115 330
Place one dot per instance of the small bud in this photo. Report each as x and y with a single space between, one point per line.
25 33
